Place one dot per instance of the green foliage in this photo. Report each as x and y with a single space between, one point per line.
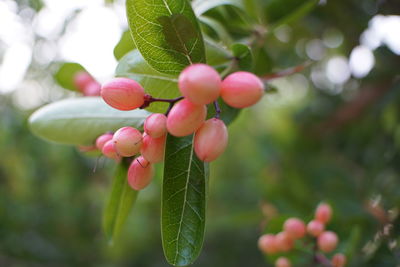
66 73
80 121
243 55
124 46
183 202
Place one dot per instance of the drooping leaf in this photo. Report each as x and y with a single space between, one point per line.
202 6
65 75
166 33
120 202
243 55
155 83
79 121
183 202
124 46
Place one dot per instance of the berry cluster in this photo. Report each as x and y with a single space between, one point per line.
85 83
295 229
199 85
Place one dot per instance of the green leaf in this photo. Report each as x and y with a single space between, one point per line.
65 75
217 55
155 83
219 29
228 113
183 202
120 202
79 121
124 46
167 33
243 55
202 6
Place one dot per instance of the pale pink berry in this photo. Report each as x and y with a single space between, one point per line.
140 173
267 244
123 94
284 242
242 89
127 141
153 148
339 260
295 228
82 79
109 151
92 89
315 228
102 139
327 241
86 148
283 262
211 140
200 84
155 125
185 118
323 213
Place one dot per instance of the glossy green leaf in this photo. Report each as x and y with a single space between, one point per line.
217 55
120 202
155 83
202 6
243 55
183 202
65 75
124 46
79 121
228 113
167 33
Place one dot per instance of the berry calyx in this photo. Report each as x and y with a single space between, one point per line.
185 118
242 89
153 148
200 84
109 151
327 241
283 262
267 244
140 173
127 141
102 139
295 228
315 228
339 260
123 94
211 140
323 213
155 125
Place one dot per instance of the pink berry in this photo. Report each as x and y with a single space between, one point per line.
86 148
102 139
82 79
284 242
339 260
185 118
127 141
153 148
156 125
109 151
295 228
140 173
200 84
327 241
211 140
323 213
315 228
267 244
123 94
242 89
92 89
283 262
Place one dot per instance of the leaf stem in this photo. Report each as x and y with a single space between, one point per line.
217 109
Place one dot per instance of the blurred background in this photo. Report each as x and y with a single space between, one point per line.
330 133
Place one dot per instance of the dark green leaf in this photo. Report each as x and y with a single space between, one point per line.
167 33
228 113
120 202
243 55
79 121
124 46
218 28
202 6
183 202
65 75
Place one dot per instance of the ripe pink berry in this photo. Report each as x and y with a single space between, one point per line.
102 139
327 241
140 173
109 151
315 228
123 94
283 262
211 140
267 244
156 125
200 84
185 118
295 228
82 79
86 148
92 89
283 242
153 148
339 260
242 89
127 141
323 213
